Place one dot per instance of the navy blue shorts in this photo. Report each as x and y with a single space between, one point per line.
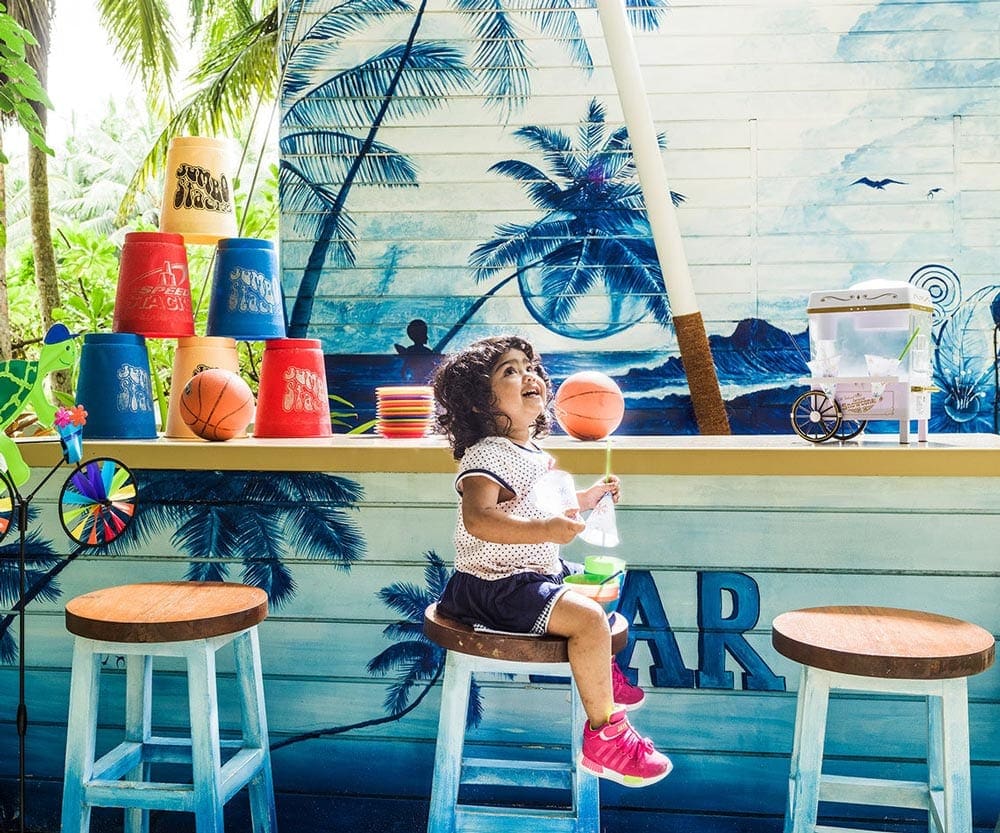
520 603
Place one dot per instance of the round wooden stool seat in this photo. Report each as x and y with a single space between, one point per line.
457 636
172 611
883 642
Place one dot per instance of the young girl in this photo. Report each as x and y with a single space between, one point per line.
492 400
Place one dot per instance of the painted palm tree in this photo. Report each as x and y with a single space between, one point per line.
42 564
406 80
255 518
593 238
416 658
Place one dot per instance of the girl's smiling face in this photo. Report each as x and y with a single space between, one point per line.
519 393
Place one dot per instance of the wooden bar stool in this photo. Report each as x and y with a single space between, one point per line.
470 651
186 619
885 650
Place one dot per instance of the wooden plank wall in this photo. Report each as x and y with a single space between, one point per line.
771 112
926 543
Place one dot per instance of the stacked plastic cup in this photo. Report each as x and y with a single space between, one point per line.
293 400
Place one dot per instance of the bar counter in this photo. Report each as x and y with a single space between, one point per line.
879 455
351 536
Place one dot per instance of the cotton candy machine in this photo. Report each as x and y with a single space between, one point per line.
870 359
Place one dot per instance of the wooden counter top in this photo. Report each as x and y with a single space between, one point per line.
945 455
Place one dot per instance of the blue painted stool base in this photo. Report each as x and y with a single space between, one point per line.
120 778
946 796
452 768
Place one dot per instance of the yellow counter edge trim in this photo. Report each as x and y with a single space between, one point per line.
431 456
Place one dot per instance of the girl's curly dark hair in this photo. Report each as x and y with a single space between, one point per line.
466 409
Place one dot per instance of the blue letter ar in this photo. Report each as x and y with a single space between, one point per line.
717 635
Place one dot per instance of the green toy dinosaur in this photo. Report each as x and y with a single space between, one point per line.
21 384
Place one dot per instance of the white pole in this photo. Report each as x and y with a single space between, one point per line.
648 162
692 341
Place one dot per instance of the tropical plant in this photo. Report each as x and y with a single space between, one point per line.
36 17
232 83
592 240
20 87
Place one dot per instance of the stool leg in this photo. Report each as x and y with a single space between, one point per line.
251 688
955 748
138 719
586 790
935 761
807 751
81 736
205 755
450 743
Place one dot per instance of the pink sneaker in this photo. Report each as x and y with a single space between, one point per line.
618 753
625 694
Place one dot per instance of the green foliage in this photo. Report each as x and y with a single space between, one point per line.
87 181
19 85
88 264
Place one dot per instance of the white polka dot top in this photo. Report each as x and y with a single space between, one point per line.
516 469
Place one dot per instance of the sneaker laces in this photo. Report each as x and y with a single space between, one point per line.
634 745
618 677
621 683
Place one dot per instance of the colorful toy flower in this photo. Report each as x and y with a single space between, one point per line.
67 417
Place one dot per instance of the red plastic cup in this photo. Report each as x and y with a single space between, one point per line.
292 399
154 289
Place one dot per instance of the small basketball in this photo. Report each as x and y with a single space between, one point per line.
589 405
217 404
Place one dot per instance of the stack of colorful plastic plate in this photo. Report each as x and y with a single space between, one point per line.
404 411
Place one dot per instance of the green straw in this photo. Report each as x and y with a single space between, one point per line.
607 461
909 344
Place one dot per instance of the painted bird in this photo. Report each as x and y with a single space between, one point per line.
878 183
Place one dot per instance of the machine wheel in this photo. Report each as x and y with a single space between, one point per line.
849 429
815 417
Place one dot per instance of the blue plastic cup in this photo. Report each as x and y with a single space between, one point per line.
114 386
246 302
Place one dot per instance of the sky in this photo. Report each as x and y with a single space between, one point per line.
83 71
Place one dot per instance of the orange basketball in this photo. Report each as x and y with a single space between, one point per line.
217 404
589 405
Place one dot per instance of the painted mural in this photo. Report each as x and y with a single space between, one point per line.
454 170
349 561
259 528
